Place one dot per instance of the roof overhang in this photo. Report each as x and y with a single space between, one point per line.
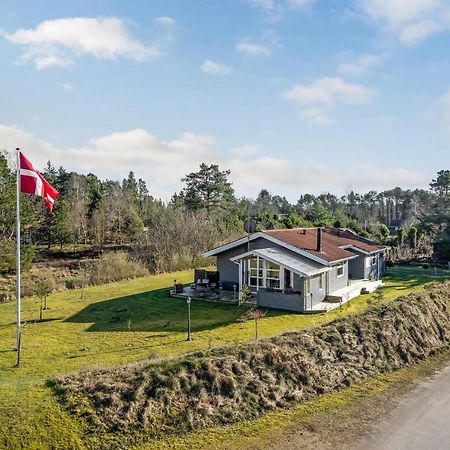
305 253
284 260
360 250
261 234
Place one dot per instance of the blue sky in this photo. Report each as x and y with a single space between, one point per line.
291 95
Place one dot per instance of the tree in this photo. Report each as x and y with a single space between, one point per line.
61 227
95 193
253 314
208 189
131 185
43 287
319 215
441 185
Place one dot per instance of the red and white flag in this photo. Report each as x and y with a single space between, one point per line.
33 183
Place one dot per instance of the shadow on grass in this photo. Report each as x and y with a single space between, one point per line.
155 311
44 320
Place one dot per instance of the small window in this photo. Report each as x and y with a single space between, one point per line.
374 260
321 281
340 271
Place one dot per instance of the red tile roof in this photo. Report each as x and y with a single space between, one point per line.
334 242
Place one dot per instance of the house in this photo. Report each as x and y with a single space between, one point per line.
395 225
301 269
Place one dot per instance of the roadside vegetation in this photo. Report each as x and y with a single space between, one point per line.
117 324
220 387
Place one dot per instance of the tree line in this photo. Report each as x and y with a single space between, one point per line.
167 236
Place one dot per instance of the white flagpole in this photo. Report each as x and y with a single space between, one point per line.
18 335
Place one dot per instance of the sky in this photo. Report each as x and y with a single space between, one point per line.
292 96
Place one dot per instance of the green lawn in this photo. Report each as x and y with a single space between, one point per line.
94 331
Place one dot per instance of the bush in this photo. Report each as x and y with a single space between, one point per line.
8 257
114 267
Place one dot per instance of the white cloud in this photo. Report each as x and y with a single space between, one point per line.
260 46
212 67
168 21
322 95
245 151
163 163
410 21
418 32
395 11
268 5
315 116
253 49
67 86
56 43
361 64
329 90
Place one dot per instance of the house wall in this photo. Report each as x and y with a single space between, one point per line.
335 283
360 269
357 266
278 300
374 271
229 271
315 294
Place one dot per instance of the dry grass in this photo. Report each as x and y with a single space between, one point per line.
224 386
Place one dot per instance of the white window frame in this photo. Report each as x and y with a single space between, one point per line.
321 282
374 260
340 266
262 272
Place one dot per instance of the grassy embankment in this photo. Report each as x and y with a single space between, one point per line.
93 331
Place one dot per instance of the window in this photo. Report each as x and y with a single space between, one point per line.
321 281
263 273
340 271
374 260
272 275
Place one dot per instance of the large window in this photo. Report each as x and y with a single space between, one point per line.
264 274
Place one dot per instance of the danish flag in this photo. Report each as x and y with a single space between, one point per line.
33 183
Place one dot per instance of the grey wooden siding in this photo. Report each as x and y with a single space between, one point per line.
315 294
358 266
278 300
336 282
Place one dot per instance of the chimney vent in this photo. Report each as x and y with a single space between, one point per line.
319 239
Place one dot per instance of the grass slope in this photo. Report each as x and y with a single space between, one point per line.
224 386
93 332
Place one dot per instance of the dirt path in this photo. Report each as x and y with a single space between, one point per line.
413 414
420 421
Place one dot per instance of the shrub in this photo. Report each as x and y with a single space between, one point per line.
8 256
114 267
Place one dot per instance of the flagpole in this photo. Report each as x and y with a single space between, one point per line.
18 333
